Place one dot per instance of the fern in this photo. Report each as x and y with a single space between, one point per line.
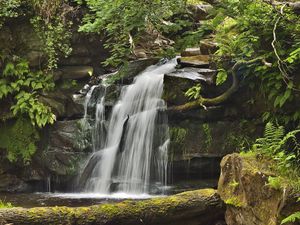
292 218
270 143
274 139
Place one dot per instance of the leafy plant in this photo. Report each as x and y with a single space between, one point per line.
4 204
283 148
194 92
221 77
124 25
19 139
24 86
292 218
246 30
8 9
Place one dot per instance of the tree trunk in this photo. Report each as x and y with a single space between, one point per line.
189 208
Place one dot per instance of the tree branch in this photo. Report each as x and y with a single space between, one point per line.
204 102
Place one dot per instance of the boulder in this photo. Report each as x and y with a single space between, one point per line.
243 186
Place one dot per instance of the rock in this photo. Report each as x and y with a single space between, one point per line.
191 52
35 58
126 74
204 139
242 186
62 104
77 61
197 167
200 11
75 72
80 50
199 61
208 47
11 183
195 74
63 146
201 207
140 53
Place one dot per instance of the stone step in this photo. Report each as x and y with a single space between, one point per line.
195 74
208 46
73 72
191 52
198 61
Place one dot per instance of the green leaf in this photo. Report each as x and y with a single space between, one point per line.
221 77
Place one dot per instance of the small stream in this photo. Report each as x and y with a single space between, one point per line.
29 200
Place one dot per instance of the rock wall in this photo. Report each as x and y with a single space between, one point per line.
62 145
206 134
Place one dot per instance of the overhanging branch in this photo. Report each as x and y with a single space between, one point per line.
204 102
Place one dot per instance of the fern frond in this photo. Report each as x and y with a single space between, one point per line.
292 218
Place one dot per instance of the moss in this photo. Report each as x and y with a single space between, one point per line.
234 201
234 184
19 138
178 134
208 136
4 204
117 213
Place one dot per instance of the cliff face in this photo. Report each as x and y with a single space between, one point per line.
250 200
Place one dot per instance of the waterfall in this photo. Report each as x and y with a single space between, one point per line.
134 157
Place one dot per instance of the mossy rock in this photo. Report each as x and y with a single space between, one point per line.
243 186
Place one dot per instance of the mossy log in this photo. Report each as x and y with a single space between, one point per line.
194 207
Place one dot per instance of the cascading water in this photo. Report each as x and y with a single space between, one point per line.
134 157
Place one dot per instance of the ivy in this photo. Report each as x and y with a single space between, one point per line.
8 9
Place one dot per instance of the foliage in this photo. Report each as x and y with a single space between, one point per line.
4 204
292 218
221 77
53 28
194 92
49 20
19 139
178 135
8 9
55 37
208 136
247 30
24 86
124 25
284 150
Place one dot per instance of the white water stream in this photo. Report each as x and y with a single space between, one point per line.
134 156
